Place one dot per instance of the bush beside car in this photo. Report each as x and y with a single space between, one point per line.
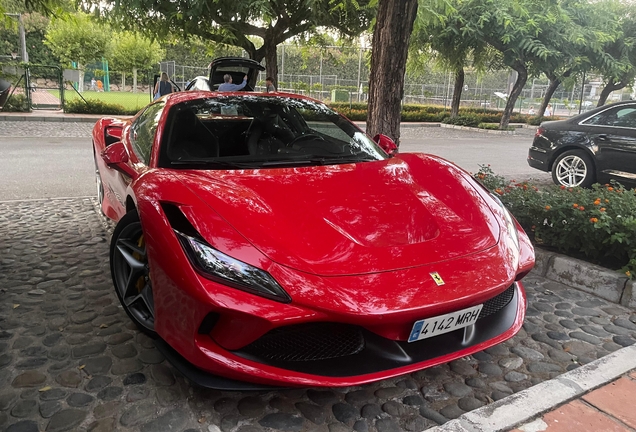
94 106
597 224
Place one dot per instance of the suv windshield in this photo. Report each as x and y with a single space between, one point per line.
239 132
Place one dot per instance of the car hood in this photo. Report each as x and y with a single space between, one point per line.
350 219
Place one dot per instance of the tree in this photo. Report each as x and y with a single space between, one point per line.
237 22
391 34
78 39
617 60
132 51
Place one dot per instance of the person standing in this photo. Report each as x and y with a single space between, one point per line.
228 86
93 84
269 85
548 111
163 86
531 110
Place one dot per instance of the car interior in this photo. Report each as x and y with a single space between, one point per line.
245 130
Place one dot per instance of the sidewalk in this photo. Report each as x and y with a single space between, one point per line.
598 396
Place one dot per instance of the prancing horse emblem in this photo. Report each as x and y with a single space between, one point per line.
437 278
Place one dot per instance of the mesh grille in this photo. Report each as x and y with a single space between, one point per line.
308 342
498 302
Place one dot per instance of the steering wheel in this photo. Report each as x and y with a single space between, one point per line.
305 136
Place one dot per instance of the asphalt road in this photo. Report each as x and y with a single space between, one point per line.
39 161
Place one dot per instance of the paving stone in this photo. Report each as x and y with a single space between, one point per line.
29 379
162 375
463 368
138 413
225 405
97 365
126 366
497 395
541 337
5 359
24 408
53 394
49 408
69 378
611 346
560 356
31 363
623 340
389 392
107 409
24 426
543 367
6 400
469 403
591 312
322 397
89 349
434 393
527 353
432 415
59 352
151 356
78 400
371 411
136 378
98 382
102 425
483 356
167 396
625 322
451 411
490 369
476 382
408 383
137 393
501 386
395 409
387 425
586 337
359 397
362 426
281 421
414 400
338 427
251 406
344 413
514 376
314 413
110 393
578 348
66 420
510 363
595 331
569 324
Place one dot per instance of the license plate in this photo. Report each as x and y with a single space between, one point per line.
441 324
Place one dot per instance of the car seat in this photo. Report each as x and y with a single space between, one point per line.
191 139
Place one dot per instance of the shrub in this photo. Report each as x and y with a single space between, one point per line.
16 103
464 120
597 224
536 120
94 106
489 126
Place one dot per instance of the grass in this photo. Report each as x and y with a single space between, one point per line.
130 101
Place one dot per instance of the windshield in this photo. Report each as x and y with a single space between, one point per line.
239 132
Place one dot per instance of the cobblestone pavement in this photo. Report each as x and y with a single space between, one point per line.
70 359
45 129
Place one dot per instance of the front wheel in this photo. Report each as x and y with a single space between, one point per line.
130 272
573 168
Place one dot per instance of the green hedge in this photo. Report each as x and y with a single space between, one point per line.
596 224
431 113
16 103
93 106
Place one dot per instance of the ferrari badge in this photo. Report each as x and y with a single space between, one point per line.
437 278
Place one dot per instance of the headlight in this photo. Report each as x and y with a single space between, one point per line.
224 269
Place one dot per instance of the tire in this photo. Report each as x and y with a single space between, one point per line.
131 273
573 168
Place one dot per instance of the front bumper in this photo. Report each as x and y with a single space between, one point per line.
379 358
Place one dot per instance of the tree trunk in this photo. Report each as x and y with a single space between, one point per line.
457 92
123 82
80 84
522 77
554 84
608 89
393 27
271 61
134 89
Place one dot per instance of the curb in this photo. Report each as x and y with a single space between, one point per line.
59 118
590 278
531 402
473 129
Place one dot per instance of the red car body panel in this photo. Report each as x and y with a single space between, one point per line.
350 243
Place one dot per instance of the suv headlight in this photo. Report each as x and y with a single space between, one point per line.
222 268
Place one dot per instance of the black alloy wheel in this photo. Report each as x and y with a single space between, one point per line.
130 272
573 168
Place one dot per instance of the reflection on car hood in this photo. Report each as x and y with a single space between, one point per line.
354 218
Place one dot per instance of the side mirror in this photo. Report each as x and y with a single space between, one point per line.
116 157
386 143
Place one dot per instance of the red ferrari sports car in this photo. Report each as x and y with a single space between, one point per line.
264 238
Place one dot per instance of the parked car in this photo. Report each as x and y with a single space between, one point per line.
596 146
237 67
266 239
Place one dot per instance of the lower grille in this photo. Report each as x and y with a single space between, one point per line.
497 303
308 342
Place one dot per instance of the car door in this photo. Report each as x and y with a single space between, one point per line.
613 133
138 139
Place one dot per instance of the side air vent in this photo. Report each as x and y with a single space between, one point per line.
178 221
